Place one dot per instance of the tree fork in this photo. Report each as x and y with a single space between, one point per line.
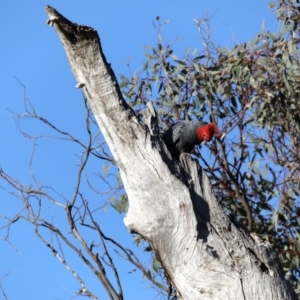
203 253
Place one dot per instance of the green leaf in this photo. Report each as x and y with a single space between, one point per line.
105 169
253 84
263 27
198 58
263 46
156 265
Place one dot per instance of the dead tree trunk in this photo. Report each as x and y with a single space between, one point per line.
203 253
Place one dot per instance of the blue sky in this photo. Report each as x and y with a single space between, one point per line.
32 52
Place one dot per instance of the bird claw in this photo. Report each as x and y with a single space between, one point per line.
183 157
184 154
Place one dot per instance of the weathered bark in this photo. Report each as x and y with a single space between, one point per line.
203 253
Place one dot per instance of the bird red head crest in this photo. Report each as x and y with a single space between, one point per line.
206 133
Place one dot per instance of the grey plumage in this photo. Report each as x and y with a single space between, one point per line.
181 137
